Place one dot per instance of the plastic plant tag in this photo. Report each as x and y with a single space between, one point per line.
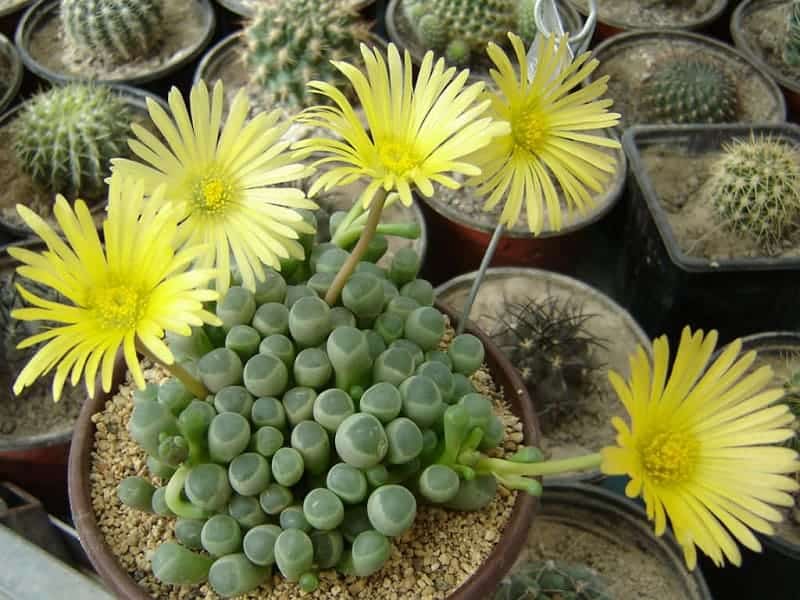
548 22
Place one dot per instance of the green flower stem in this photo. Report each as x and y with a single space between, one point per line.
375 210
409 231
524 484
504 468
174 498
195 387
356 213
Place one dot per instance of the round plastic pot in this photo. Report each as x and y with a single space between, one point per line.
479 585
243 8
45 10
663 287
9 54
9 16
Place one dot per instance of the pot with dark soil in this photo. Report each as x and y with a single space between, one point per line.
713 233
768 33
563 337
584 545
665 77
618 16
61 143
79 40
10 72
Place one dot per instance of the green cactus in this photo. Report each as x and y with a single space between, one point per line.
552 580
460 28
117 30
754 189
791 48
64 138
548 341
687 90
291 42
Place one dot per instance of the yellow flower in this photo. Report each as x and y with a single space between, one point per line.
224 180
698 445
547 119
417 134
129 293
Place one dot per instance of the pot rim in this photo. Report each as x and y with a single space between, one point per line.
679 258
16 72
238 7
480 584
714 12
18 7
44 9
740 40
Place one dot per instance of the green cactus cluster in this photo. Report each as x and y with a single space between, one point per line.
552 580
115 30
689 90
547 339
754 189
64 138
791 47
291 42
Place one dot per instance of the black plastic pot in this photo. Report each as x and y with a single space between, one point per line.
9 55
663 287
44 11
9 16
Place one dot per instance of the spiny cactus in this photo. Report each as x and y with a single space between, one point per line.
791 48
552 580
754 189
549 343
685 90
291 42
118 30
64 138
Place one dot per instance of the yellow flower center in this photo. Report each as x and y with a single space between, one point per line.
117 307
530 130
669 457
213 194
397 158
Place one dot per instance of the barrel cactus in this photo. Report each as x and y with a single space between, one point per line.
754 189
548 341
791 48
118 30
65 138
687 90
291 42
552 580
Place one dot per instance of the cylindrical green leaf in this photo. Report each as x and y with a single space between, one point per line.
174 395
405 265
149 420
425 327
473 494
259 544
271 289
234 398
275 498
439 483
323 509
294 553
310 321
293 517
390 327
332 407
347 482
175 565
219 368
312 368
370 552
467 353
361 441
137 493
247 511
412 348
236 307
271 318
207 487
402 306
287 466
422 401
393 366
233 575
296 292
363 294
298 403
441 376
391 509
383 400
187 532
328 547
249 474
279 345
266 441
312 442
268 411
159 503
228 436
221 535
405 441
244 340
340 317
265 375
420 290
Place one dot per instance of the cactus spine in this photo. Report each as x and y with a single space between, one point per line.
754 188
290 42
64 138
791 48
120 30
685 90
552 580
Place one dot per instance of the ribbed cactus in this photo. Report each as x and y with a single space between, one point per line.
754 188
117 30
552 580
461 28
684 90
549 343
791 48
64 138
291 42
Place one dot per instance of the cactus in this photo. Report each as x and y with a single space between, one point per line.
291 42
791 48
682 90
754 189
548 341
460 28
64 138
118 30
552 580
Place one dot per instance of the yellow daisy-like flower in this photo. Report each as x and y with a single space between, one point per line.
697 447
547 119
226 181
130 292
417 133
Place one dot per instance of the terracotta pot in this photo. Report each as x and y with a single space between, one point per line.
480 585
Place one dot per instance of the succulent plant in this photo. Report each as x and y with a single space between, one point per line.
791 48
115 30
291 42
754 189
548 341
552 580
64 138
689 90
459 28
